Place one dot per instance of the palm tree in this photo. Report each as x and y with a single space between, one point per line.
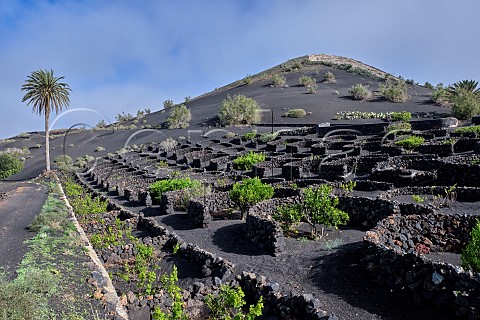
464 85
46 93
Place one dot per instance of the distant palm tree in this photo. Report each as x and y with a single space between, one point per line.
47 93
464 85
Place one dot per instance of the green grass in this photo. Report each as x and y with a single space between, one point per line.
26 297
46 286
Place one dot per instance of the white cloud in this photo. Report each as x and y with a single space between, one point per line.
131 55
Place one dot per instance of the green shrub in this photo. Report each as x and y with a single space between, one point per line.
307 81
410 143
247 161
470 256
229 302
295 113
179 117
248 80
329 77
230 135
312 89
465 104
321 208
9 165
158 188
399 126
470 129
176 311
401 116
121 117
239 109
99 149
88 205
168 104
267 137
249 192
349 115
289 216
428 85
439 95
249 135
168 143
278 80
73 189
360 92
418 199
64 162
394 90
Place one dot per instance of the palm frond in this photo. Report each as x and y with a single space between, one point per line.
46 92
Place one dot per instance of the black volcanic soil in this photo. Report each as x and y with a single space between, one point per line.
333 275
329 99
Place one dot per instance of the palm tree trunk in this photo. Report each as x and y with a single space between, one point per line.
47 139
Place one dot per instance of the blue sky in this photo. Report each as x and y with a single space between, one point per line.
127 55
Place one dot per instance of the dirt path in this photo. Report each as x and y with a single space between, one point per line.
19 203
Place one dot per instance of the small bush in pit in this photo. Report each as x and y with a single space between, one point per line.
399 127
249 192
401 116
229 303
64 162
360 92
329 77
38 146
157 189
176 310
99 149
168 144
418 199
465 104
9 165
267 137
348 186
162 164
278 81
238 110
321 208
470 256
289 216
249 135
307 81
179 117
295 113
247 161
471 129
394 90
410 143
230 135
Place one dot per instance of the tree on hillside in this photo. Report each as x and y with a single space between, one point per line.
47 94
